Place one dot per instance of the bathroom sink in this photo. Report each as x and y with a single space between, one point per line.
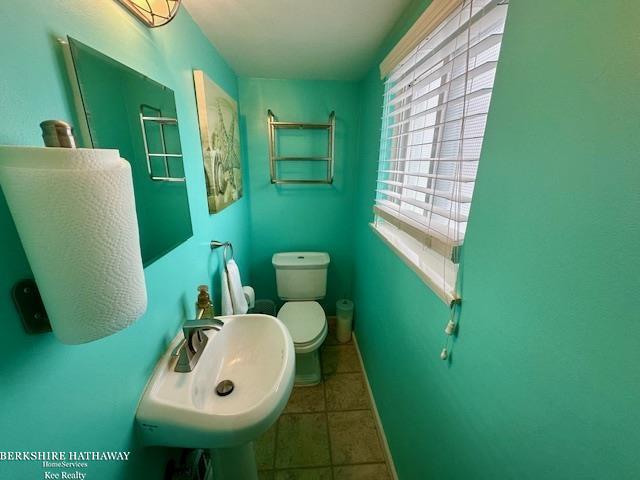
254 352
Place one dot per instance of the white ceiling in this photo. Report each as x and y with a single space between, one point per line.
309 39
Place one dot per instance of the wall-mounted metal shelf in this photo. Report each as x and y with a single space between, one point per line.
161 122
274 125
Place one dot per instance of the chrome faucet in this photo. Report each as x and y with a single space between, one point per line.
191 347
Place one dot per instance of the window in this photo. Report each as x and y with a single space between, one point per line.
435 111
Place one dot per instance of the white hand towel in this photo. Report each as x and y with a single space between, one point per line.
227 306
233 299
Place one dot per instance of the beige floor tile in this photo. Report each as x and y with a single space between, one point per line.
375 471
332 340
354 438
302 441
339 359
346 391
304 474
265 447
306 399
265 475
331 334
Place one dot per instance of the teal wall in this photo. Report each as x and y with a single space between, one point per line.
59 397
301 217
543 379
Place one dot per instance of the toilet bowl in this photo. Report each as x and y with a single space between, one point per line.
301 278
307 324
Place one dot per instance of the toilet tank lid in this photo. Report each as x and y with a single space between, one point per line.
300 260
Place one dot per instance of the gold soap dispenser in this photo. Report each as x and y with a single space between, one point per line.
204 307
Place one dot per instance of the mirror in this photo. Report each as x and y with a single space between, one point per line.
126 110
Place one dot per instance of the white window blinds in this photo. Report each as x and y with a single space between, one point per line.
435 111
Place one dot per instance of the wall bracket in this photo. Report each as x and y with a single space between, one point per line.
29 304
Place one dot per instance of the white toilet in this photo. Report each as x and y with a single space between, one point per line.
301 278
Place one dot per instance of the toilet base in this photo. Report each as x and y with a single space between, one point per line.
308 372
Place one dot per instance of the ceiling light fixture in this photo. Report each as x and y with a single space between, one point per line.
153 13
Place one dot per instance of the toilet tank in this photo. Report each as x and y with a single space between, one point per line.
301 275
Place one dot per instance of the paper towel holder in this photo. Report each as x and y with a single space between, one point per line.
25 293
28 301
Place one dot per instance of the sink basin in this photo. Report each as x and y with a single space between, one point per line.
184 410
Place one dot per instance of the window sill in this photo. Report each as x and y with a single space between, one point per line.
436 271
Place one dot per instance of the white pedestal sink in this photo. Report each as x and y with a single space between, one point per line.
183 410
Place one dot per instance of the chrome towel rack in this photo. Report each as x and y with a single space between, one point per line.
228 247
274 125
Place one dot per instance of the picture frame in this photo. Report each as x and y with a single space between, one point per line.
218 122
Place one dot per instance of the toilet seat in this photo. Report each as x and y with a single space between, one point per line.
306 322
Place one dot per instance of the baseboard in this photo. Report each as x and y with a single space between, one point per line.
383 437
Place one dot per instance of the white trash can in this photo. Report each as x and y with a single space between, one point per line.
344 313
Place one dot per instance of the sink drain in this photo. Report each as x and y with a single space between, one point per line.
224 388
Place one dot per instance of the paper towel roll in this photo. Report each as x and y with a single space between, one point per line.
250 295
75 213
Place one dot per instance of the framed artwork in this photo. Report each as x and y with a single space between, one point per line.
220 139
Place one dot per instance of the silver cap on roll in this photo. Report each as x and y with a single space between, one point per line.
57 133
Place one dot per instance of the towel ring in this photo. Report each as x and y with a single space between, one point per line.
228 247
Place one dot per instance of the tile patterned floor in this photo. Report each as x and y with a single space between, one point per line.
326 432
